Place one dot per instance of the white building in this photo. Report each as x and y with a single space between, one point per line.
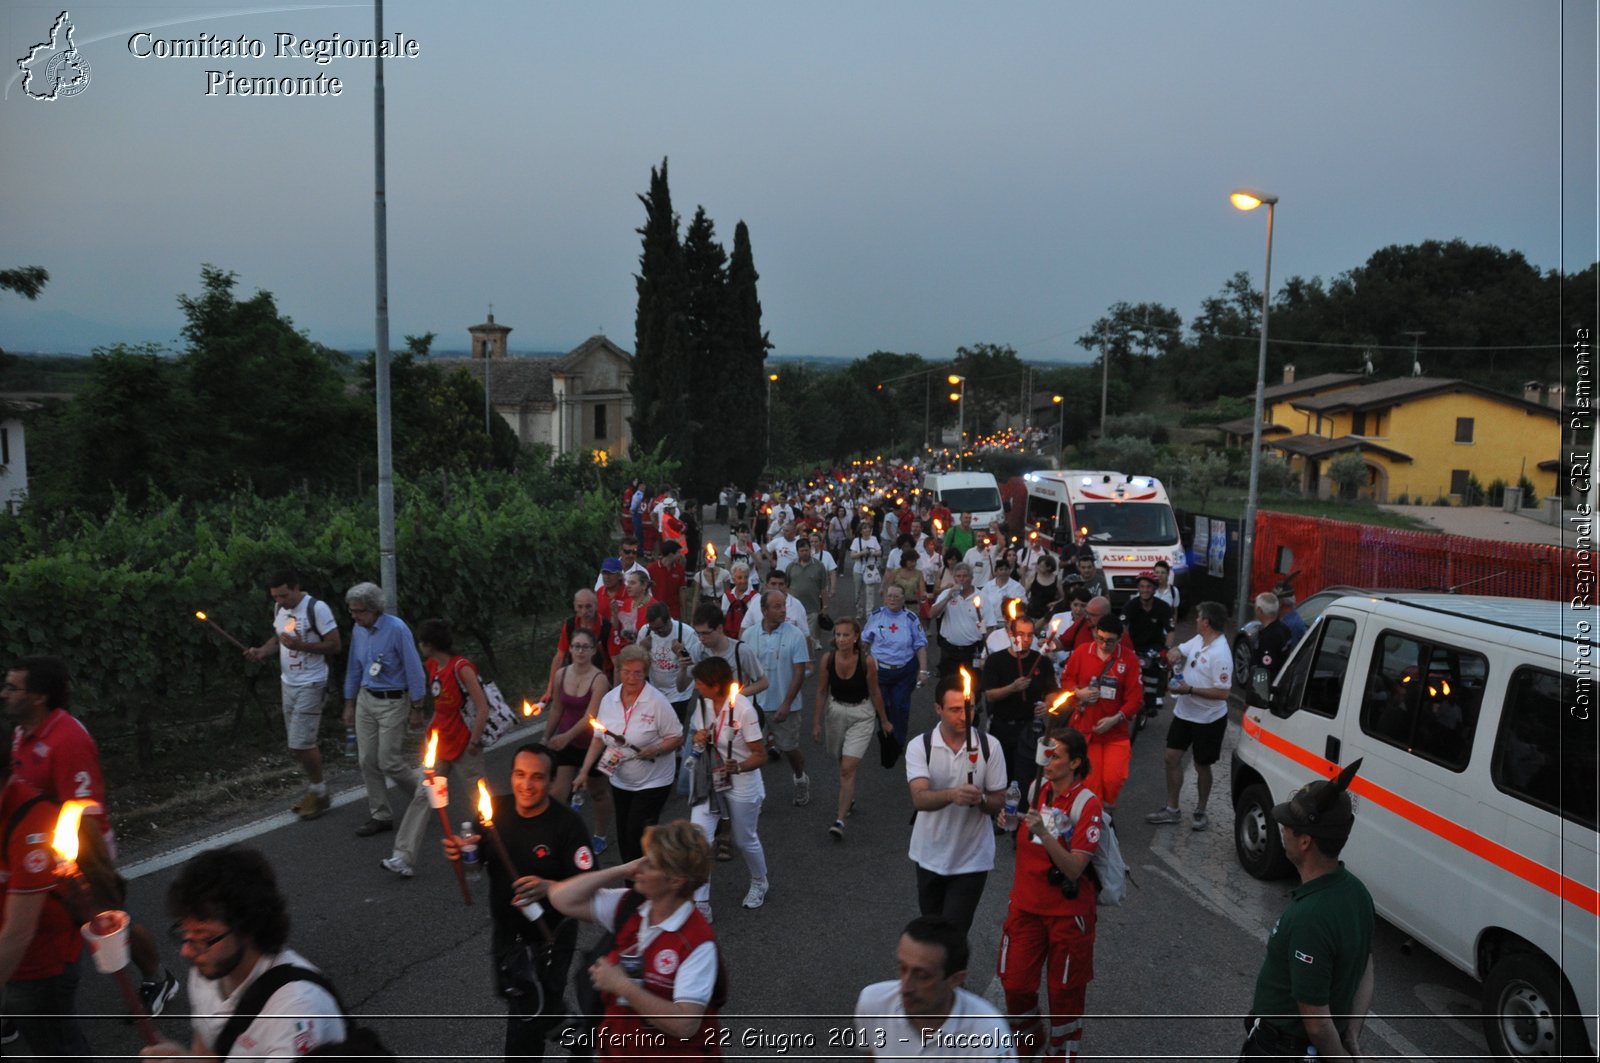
13 451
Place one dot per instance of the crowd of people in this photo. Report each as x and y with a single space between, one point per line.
682 667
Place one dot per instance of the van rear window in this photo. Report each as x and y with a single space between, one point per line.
971 499
1424 698
1545 753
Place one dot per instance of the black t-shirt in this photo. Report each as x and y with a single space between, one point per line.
1147 627
1001 669
1273 643
553 845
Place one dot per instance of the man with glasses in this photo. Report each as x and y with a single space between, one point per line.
382 680
233 925
627 561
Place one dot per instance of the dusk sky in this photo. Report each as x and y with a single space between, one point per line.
916 174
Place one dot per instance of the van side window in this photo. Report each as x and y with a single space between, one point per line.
1544 754
1424 698
1317 688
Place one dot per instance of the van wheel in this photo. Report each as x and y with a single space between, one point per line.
1529 1011
1241 662
1255 835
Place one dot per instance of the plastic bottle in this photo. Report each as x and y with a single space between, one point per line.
1177 677
577 801
469 852
1013 799
349 741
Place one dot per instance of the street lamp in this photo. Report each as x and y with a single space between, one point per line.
1250 199
960 397
772 378
1061 425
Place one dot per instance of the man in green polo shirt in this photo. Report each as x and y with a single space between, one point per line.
1316 983
961 537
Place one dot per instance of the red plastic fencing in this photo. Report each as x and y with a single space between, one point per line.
1327 552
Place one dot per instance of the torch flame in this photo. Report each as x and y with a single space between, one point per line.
530 708
599 727
711 554
966 683
938 526
1011 608
288 626
198 615
1055 706
65 842
485 806
432 751
733 693
1055 625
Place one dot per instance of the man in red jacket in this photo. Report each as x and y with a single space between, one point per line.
1108 692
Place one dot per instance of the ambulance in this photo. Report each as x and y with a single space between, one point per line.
1127 520
1476 804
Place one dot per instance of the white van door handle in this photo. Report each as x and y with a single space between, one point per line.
1330 752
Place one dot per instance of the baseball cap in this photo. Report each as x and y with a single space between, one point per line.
1147 576
1322 809
611 564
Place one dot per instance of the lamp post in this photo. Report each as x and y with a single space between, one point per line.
1250 199
1061 422
960 398
772 378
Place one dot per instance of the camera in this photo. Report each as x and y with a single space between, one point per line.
1056 877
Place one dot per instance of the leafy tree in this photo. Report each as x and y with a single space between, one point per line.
995 378
1198 473
438 415
26 281
1349 474
276 411
1133 337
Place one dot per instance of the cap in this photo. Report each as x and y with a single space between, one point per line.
1322 809
1086 554
1147 576
611 564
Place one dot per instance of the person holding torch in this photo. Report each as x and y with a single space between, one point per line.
724 764
453 684
39 942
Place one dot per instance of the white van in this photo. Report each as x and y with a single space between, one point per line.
968 492
1127 521
1476 800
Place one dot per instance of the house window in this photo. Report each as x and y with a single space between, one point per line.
5 446
1358 424
1459 478
600 421
1463 429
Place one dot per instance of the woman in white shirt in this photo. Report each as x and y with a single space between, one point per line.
866 562
637 733
726 777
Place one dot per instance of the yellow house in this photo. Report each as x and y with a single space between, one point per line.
1424 437
1277 417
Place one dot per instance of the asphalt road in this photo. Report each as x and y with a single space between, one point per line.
1174 965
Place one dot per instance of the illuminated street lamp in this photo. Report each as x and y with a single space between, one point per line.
960 398
1061 425
1250 199
772 378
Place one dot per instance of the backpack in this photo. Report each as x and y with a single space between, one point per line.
501 718
1110 870
734 614
255 997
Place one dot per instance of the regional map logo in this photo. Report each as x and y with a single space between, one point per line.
54 69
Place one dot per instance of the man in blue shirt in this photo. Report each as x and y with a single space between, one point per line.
784 654
895 637
382 681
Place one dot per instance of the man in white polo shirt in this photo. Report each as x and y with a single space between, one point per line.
958 784
1199 711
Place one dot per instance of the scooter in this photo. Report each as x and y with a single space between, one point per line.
1153 672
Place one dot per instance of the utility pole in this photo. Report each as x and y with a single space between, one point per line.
1105 376
380 218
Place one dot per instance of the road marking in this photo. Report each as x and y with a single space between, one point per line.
162 861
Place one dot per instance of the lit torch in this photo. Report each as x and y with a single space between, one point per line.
106 932
214 627
438 790
711 555
600 729
1056 705
532 708
966 699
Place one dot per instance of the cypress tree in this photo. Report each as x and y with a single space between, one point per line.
660 358
707 333
746 374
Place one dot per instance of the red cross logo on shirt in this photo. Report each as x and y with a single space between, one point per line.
894 628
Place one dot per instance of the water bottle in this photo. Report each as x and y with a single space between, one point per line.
1013 799
349 741
469 852
1177 677
577 801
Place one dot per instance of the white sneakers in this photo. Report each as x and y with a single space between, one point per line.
398 865
757 895
802 796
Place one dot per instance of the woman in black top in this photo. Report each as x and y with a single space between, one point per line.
847 693
1044 589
